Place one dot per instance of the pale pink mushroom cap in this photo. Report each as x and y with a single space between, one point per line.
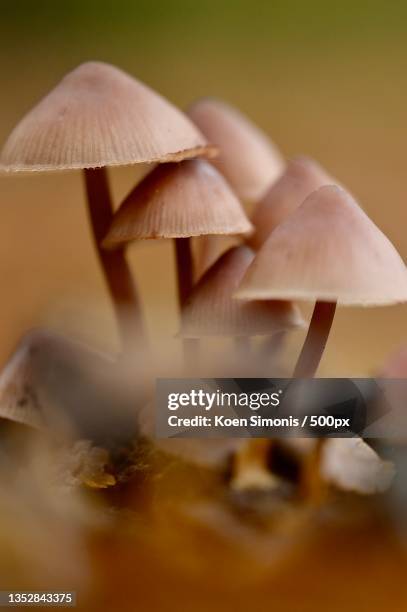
211 310
301 177
248 158
327 250
100 116
177 201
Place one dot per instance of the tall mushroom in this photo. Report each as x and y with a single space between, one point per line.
328 250
301 177
178 201
96 117
248 159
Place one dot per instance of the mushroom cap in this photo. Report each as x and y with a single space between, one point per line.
301 177
19 400
327 250
100 116
177 201
211 309
248 158
53 382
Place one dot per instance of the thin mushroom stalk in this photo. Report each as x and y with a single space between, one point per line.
306 367
114 265
185 275
184 269
316 339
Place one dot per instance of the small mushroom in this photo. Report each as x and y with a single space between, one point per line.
328 250
53 383
179 201
211 309
248 159
99 116
301 177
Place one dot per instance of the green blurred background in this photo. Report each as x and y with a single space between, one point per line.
323 79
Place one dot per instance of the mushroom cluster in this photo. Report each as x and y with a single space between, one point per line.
253 237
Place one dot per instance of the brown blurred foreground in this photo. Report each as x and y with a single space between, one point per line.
171 536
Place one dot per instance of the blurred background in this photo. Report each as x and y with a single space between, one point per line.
323 79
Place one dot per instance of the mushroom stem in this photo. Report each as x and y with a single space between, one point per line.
115 268
185 276
306 367
316 340
184 269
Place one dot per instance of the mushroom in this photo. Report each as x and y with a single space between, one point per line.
211 309
328 250
301 177
51 382
99 116
178 201
248 159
